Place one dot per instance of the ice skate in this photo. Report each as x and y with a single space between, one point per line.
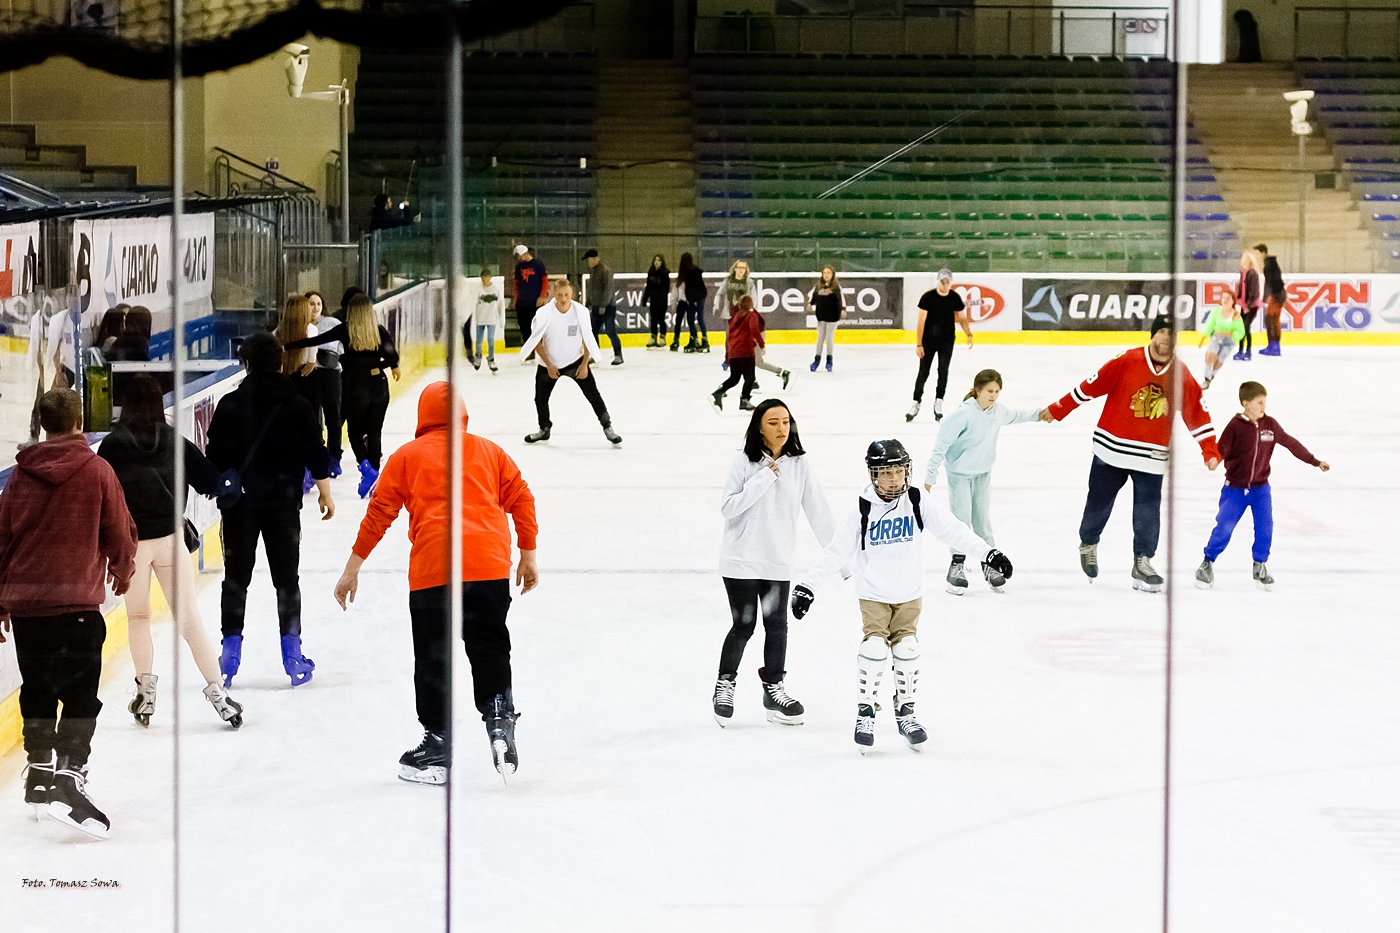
651 344
717 400
297 665
995 578
1089 560
229 710
538 437
785 375
70 805
38 779
1145 578
368 477
1262 577
938 409
1205 575
1271 350
746 405
909 727
704 345
426 764
491 364
617 361
724 699
865 727
143 705
231 657
675 345
613 437
476 363
956 581
816 361
1205 383
500 729
828 364
912 413
781 707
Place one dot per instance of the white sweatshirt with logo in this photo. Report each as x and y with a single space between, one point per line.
890 568
761 513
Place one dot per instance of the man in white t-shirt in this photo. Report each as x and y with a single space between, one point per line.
563 343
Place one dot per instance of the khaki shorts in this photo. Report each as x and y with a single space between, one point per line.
890 621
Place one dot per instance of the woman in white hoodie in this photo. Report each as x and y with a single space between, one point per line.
770 483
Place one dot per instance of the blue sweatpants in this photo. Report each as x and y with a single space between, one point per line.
1233 502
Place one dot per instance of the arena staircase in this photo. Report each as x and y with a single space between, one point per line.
1238 111
63 170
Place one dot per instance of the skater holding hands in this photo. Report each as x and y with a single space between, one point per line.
882 537
770 486
966 449
1247 444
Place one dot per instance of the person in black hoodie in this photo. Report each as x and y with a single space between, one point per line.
690 281
1275 297
656 296
271 436
141 451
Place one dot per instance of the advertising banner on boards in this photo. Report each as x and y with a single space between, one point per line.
1099 304
993 299
1336 304
127 261
19 266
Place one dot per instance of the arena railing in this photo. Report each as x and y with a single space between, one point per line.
1346 33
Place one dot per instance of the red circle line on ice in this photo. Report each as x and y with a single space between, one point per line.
983 303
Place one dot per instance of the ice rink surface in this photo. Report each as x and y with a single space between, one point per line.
1037 806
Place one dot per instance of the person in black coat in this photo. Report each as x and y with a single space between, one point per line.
266 404
656 296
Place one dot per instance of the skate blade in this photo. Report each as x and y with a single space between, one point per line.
236 722
723 721
864 749
1266 587
916 747
63 814
143 720
1142 587
1202 585
953 590
504 768
783 720
434 775
38 811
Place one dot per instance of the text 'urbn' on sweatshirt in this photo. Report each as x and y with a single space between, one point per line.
890 568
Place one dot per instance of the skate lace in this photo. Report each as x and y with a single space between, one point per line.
1089 557
865 725
1144 566
778 694
724 691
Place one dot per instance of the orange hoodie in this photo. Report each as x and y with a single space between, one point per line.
415 477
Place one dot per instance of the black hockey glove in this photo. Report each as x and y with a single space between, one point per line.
996 560
801 601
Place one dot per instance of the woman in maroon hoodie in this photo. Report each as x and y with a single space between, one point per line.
740 346
65 533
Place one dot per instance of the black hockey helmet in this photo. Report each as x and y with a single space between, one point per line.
887 453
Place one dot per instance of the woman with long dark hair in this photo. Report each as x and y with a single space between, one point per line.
141 450
690 285
770 485
656 296
1275 295
134 344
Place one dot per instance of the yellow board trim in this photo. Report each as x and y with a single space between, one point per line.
1034 338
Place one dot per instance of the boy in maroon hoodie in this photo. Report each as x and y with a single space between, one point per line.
1247 444
65 533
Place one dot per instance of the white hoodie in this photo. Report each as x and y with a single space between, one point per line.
760 516
890 568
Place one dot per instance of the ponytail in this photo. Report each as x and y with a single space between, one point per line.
981 381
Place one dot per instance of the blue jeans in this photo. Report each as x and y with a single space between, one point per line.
1233 502
486 341
1104 483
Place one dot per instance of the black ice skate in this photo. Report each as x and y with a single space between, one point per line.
994 577
957 577
144 703
938 409
538 437
1089 560
38 779
1144 577
500 729
909 727
865 727
613 437
426 764
1261 576
781 707
70 805
724 699
717 400
1205 575
229 710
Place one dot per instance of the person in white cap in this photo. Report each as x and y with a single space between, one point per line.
528 289
941 311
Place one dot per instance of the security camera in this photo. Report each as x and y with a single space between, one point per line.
1297 95
298 58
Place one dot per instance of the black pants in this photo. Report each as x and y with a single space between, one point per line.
746 599
605 319
1248 317
1104 483
365 404
695 311
657 307
939 344
525 318
544 388
484 633
330 408
740 367
280 530
60 661
309 388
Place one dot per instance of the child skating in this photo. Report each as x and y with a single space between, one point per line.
967 448
882 538
1246 445
1224 328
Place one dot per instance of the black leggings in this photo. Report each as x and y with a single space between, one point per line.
366 400
330 408
740 367
1248 317
940 346
658 317
484 634
746 599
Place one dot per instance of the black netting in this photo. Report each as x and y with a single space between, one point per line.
132 38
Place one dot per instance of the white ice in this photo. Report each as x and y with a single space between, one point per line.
1037 806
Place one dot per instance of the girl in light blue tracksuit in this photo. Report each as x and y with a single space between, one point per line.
967 448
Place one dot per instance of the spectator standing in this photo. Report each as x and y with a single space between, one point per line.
110 330
64 530
564 346
602 303
385 216
271 436
528 289
134 345
656 296
141 450
941 311
828 303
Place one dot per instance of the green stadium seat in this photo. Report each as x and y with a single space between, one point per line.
1111 218
918 254
966 215
798 215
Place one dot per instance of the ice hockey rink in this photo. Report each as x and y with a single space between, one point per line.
1037 805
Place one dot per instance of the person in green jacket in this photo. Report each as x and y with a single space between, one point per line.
1223 328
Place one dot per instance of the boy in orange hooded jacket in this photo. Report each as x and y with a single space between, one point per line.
415 477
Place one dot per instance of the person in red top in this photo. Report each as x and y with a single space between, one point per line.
740 345
1131 442
1247 444
65 532
416 478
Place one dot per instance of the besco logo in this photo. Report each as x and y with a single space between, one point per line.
983 303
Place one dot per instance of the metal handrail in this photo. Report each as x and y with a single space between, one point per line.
267 172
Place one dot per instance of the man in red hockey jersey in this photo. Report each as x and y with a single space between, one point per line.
1131 441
